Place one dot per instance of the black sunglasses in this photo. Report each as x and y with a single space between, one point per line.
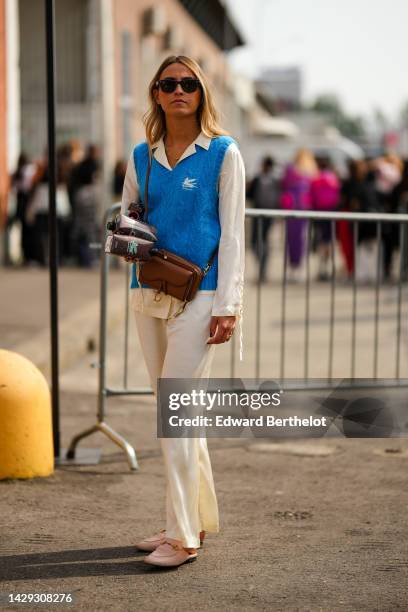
188 85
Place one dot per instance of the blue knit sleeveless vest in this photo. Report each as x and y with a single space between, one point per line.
183 204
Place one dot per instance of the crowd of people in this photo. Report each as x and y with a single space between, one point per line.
78 204
311 183
308 183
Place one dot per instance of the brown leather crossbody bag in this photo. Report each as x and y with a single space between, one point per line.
167 272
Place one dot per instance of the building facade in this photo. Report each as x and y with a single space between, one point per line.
78 71
145 33
106 54
3 116
282 86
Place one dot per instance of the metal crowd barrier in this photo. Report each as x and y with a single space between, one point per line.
355 219
104 392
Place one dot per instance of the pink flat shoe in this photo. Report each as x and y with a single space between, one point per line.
150 544
169 555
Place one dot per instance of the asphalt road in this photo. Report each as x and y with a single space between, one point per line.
311 525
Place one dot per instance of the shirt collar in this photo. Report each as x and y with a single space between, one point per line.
202 141
159 152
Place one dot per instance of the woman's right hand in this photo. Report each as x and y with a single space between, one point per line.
221 329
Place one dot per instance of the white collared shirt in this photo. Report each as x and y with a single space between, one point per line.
228 298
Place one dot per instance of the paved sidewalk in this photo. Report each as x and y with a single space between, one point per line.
25 312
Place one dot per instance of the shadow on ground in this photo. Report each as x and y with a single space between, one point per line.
74 563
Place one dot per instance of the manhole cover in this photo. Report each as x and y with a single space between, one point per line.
358 532
300 449
297 515
392 452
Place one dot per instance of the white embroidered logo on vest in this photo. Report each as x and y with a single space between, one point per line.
189 183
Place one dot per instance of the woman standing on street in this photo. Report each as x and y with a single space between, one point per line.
196 195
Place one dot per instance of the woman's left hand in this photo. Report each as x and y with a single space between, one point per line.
221 329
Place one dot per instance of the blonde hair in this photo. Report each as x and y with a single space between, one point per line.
393 159
305 162
155 119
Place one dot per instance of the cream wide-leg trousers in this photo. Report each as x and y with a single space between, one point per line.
176 348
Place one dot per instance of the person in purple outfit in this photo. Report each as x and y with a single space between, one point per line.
296 195
325 197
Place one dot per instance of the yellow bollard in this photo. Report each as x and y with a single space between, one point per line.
26 444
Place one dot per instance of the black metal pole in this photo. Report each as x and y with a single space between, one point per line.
52 216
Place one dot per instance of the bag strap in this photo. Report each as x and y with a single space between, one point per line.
146 207
210 262
146 192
